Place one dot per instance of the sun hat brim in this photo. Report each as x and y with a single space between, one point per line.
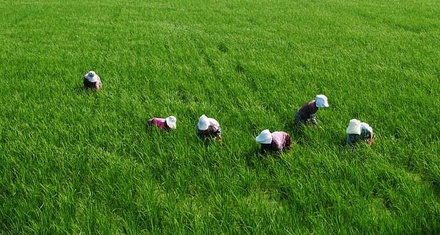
354 127
171 122
321 101
203 126
265 137
203 123
92 79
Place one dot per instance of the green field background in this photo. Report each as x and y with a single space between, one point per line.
75 161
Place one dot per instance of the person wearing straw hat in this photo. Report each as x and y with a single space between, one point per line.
92 80
306 114
276 141
167 124
358 131
209 128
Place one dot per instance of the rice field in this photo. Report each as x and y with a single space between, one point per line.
77 161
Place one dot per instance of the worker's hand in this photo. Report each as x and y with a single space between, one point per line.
371 140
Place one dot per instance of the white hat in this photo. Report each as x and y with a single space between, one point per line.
265 137
171 122
203 123
321 101
354 127
92 76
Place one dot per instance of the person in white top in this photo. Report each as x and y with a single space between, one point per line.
358 131
209 128
92 80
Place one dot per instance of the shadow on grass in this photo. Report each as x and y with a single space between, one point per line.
435 184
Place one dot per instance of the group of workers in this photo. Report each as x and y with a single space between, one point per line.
278 141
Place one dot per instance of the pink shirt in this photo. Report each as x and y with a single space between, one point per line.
281 140
159 122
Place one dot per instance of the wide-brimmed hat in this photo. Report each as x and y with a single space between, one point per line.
92 76
354 127
203 123
321 101
265 137
171 122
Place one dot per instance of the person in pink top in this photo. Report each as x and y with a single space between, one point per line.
167 124
92 80
277 141
306 114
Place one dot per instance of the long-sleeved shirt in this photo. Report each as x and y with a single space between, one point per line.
159 122
307 110
280 141
213 130
89 84
366 134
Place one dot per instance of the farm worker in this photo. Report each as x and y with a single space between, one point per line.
92 80
359 131
306 114
275 141
163 123
209 128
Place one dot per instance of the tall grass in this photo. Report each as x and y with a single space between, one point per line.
77 161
